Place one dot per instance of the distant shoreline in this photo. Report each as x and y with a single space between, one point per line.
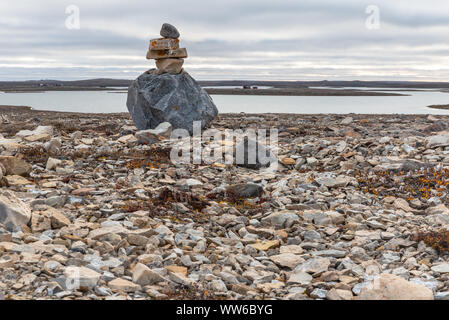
439 106
45 89
298 92
226 91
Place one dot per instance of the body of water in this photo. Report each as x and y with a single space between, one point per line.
107 102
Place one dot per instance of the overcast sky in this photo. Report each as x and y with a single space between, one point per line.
229 39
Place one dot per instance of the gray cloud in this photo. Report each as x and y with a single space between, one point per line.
229 39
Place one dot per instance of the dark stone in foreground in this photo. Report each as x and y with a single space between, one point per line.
248 154
174 98
244 190
169 31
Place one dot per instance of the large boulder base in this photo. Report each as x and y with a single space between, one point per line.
174 98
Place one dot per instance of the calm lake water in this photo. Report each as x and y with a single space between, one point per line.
105 102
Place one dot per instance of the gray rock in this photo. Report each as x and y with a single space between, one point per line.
330 253
252 154
174 98
169 31
244 190
150 136
301 278
282 219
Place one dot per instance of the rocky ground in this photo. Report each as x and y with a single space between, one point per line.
356 210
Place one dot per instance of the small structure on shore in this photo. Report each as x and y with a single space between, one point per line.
168 93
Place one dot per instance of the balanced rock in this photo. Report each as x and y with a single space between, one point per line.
164 54
164 44
174 98
169 31
170 65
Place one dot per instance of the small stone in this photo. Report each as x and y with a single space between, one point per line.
265 245
301 278
137 240
123 285
346 121
165 54
15 180
441 268
84 277
288 161
391 287
58 220
143 275
438 141
402 204
169 31
295 249
314 266
244 190
13 211
282 219
151 136
339 294
177 269
52 163
169 65
217 286
38 137
164 44
288 260
15 166
253 155
40 222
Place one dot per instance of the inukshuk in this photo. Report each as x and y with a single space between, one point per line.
166 51
168 93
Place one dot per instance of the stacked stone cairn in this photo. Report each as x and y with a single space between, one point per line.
168 93
166 51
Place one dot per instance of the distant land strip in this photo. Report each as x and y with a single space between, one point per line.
298 92
439 106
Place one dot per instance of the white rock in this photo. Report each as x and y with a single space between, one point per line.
13 211
143 275
38 130
346 121
82 277
150 136
52 163
438 141
441 268
391 287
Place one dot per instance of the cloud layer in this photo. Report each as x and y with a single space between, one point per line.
229 39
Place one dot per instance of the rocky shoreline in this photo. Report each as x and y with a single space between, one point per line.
358 203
